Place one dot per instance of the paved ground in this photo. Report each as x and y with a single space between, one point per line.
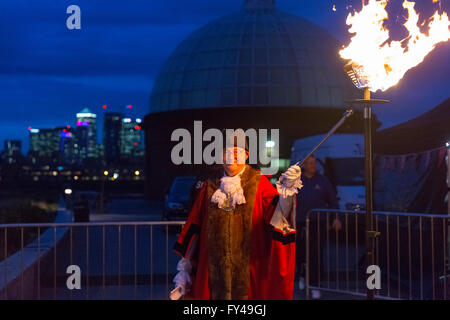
130 209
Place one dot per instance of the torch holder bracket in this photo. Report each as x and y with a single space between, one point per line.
367 101
373 234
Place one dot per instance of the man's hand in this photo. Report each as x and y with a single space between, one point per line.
291 175
290 182
337 225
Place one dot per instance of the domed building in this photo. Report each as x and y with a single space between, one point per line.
257 68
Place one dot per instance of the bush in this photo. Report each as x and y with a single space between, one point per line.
22 211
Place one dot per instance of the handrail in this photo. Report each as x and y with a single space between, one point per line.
393 213
91 224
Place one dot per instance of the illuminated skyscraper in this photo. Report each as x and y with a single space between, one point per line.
12 151
86 134
35 142
68 151
131 138
45 144
112 127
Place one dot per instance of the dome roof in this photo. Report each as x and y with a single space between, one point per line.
256 57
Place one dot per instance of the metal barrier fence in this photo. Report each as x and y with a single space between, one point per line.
412 251
133 260
117 260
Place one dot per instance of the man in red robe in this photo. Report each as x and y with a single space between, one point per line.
239 239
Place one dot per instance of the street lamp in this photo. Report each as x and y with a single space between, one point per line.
355 73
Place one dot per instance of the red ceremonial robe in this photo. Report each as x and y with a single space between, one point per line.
238 255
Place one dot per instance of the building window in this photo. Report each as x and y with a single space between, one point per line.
260 56
277 96
228 77
244 96
244 76
277 75
260 96
260 75
227 97
245 56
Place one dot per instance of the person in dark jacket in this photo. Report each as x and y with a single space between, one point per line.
317 193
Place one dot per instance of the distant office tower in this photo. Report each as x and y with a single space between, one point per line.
131 138
86 134
112 127
82 141
68 151
12 151
45 145
101 151
35 140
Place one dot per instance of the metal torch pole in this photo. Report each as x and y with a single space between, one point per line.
370 233
448 180
448 198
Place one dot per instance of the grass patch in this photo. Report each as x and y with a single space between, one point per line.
14 211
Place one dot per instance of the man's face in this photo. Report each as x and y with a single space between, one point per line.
310 166
234 160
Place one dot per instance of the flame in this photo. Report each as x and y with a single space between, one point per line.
382 63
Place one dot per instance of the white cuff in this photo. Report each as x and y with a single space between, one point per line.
183 278
184 265
288 188
283 218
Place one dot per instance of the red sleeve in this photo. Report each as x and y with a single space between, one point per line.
269 198
282 253
282 268
192 226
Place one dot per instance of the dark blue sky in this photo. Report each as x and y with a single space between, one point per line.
48 73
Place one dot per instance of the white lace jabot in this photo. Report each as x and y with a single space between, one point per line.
229 187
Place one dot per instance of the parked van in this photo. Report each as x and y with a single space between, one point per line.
341 160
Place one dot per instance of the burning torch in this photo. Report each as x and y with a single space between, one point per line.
378 62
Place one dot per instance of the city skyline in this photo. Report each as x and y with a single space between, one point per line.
25 145
94 148
50 72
